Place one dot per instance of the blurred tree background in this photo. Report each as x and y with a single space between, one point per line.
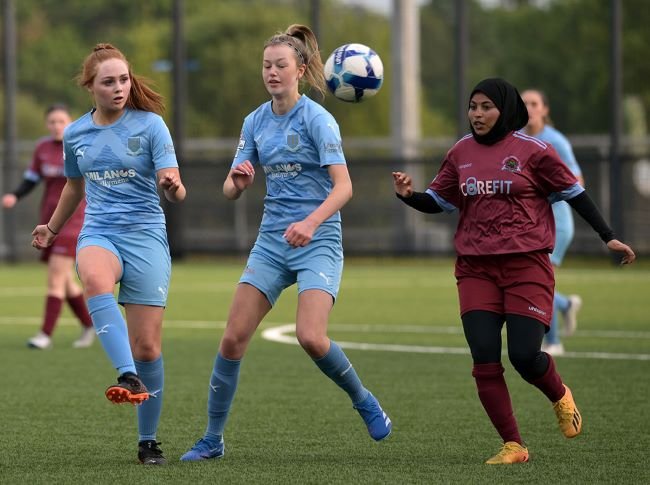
561 47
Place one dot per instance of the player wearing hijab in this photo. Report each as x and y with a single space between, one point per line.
47 167
502 182
297 144
539 126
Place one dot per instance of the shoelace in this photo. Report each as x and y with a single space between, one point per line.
564 409
153 446
507 449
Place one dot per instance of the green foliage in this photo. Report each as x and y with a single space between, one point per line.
561 47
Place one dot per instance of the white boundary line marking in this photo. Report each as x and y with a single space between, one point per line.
279 333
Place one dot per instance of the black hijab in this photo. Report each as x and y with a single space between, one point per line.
506 98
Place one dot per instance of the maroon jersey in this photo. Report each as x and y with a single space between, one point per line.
502 194
47 165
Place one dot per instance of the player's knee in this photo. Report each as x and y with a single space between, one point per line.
315 345
96 284
527 364
234 345
146 351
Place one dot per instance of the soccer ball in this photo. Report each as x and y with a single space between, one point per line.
354 72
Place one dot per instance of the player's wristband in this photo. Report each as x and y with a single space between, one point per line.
50 229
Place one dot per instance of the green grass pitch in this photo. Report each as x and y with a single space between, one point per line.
290 424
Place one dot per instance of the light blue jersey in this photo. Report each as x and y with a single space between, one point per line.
564 226
119 164
294 151
562 146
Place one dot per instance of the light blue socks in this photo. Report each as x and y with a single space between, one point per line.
337 367
152 375
112 331
223 384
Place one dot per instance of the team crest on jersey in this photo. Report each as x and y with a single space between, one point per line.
134 146
293 141
511 164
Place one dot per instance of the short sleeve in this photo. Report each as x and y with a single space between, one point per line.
445 184
70 166
163 154
326 135
34 171
551 173
246 148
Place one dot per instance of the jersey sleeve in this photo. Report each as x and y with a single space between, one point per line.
564 150
70 166
33 172
326 135
444 187
553 176
163 154
246 148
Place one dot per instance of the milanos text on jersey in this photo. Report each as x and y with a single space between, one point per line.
283 170
111 177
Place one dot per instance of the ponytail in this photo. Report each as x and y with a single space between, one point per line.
303 41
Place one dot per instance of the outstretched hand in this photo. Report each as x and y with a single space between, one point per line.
403 184
617 246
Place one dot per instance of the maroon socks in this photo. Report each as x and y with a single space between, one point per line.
78 305
52 312
550 383
493 393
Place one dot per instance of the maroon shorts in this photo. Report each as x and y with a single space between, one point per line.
521 283
63 245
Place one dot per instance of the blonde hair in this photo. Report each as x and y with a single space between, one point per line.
305 45
141 97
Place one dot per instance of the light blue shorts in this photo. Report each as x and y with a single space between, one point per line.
274 265
564 230
145 260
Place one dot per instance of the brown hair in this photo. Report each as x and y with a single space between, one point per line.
544 98
305 45
141 97
57 107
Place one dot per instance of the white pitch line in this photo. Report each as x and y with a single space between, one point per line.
278 334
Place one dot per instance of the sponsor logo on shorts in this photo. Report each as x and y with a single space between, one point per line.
537 310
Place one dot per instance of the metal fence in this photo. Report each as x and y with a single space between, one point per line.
374 221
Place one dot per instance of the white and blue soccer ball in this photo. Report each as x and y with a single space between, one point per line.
354 72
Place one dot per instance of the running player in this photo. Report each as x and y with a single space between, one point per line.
539 126
297 144
120 153
47 166
502 182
